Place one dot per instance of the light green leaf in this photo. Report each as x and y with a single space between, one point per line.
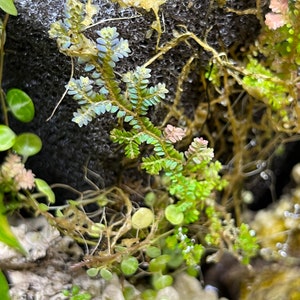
92 272
43 207
4 291
153 252
159 264
129 265
20 105
121 114
6 235
152 164
128 118
58 213
174 215
27 144
161 281
96 230
142 218
106 274
9 7
7 138
132 149
149 294
45 189
150 199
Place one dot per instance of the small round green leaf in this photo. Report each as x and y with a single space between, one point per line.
7 138
92 272
153 252
129 292
149 294
20 104
161 281
66 293
142 218
176 259
27 144
129 265
45 189
106 274
174 215
150 199
75 290
159 263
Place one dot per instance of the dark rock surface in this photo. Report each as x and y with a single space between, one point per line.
34 64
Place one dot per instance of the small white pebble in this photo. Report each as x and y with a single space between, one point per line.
211 289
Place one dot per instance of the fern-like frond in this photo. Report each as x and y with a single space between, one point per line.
172 152
153 96
150 127
198 151
92 104
110 47
189 188
121 136
74 15
152 164
136 83
82 90
132 149
90 11
86 113
130 139
68 32
140 96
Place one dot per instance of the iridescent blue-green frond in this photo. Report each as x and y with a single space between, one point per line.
139 94
110 48
86 113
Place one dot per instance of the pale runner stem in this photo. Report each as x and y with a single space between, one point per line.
110 20
218 58
181 38
64 94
